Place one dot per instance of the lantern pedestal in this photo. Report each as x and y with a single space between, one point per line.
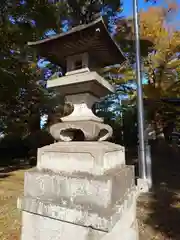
88 190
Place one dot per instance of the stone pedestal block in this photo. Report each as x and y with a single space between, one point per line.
41 221
88 188
87 215
90 157
103 190
37 227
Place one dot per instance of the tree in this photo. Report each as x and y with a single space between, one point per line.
160 66
77 12
21 97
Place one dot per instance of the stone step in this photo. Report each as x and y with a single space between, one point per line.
91 157
36 227
103 190
93 216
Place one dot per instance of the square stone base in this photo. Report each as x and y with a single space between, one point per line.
37 227
91 157
80 190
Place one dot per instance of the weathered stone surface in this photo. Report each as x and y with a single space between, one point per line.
84 131
126 228
90 86
143 185
93 216
105 190
82 108
37 227
91 157
83 82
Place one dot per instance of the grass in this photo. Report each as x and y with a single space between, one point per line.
11 187
158 212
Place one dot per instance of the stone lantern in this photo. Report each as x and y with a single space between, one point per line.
81 187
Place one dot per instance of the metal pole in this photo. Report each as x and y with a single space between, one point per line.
141 157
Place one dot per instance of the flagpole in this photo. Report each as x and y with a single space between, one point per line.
141 152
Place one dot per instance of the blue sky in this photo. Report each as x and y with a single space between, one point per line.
128 6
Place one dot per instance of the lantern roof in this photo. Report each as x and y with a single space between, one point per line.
93 38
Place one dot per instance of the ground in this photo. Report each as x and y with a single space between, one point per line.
158 212
11 186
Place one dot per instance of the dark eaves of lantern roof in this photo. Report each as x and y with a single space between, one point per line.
93 38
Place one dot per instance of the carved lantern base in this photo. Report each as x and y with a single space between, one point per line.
82 90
